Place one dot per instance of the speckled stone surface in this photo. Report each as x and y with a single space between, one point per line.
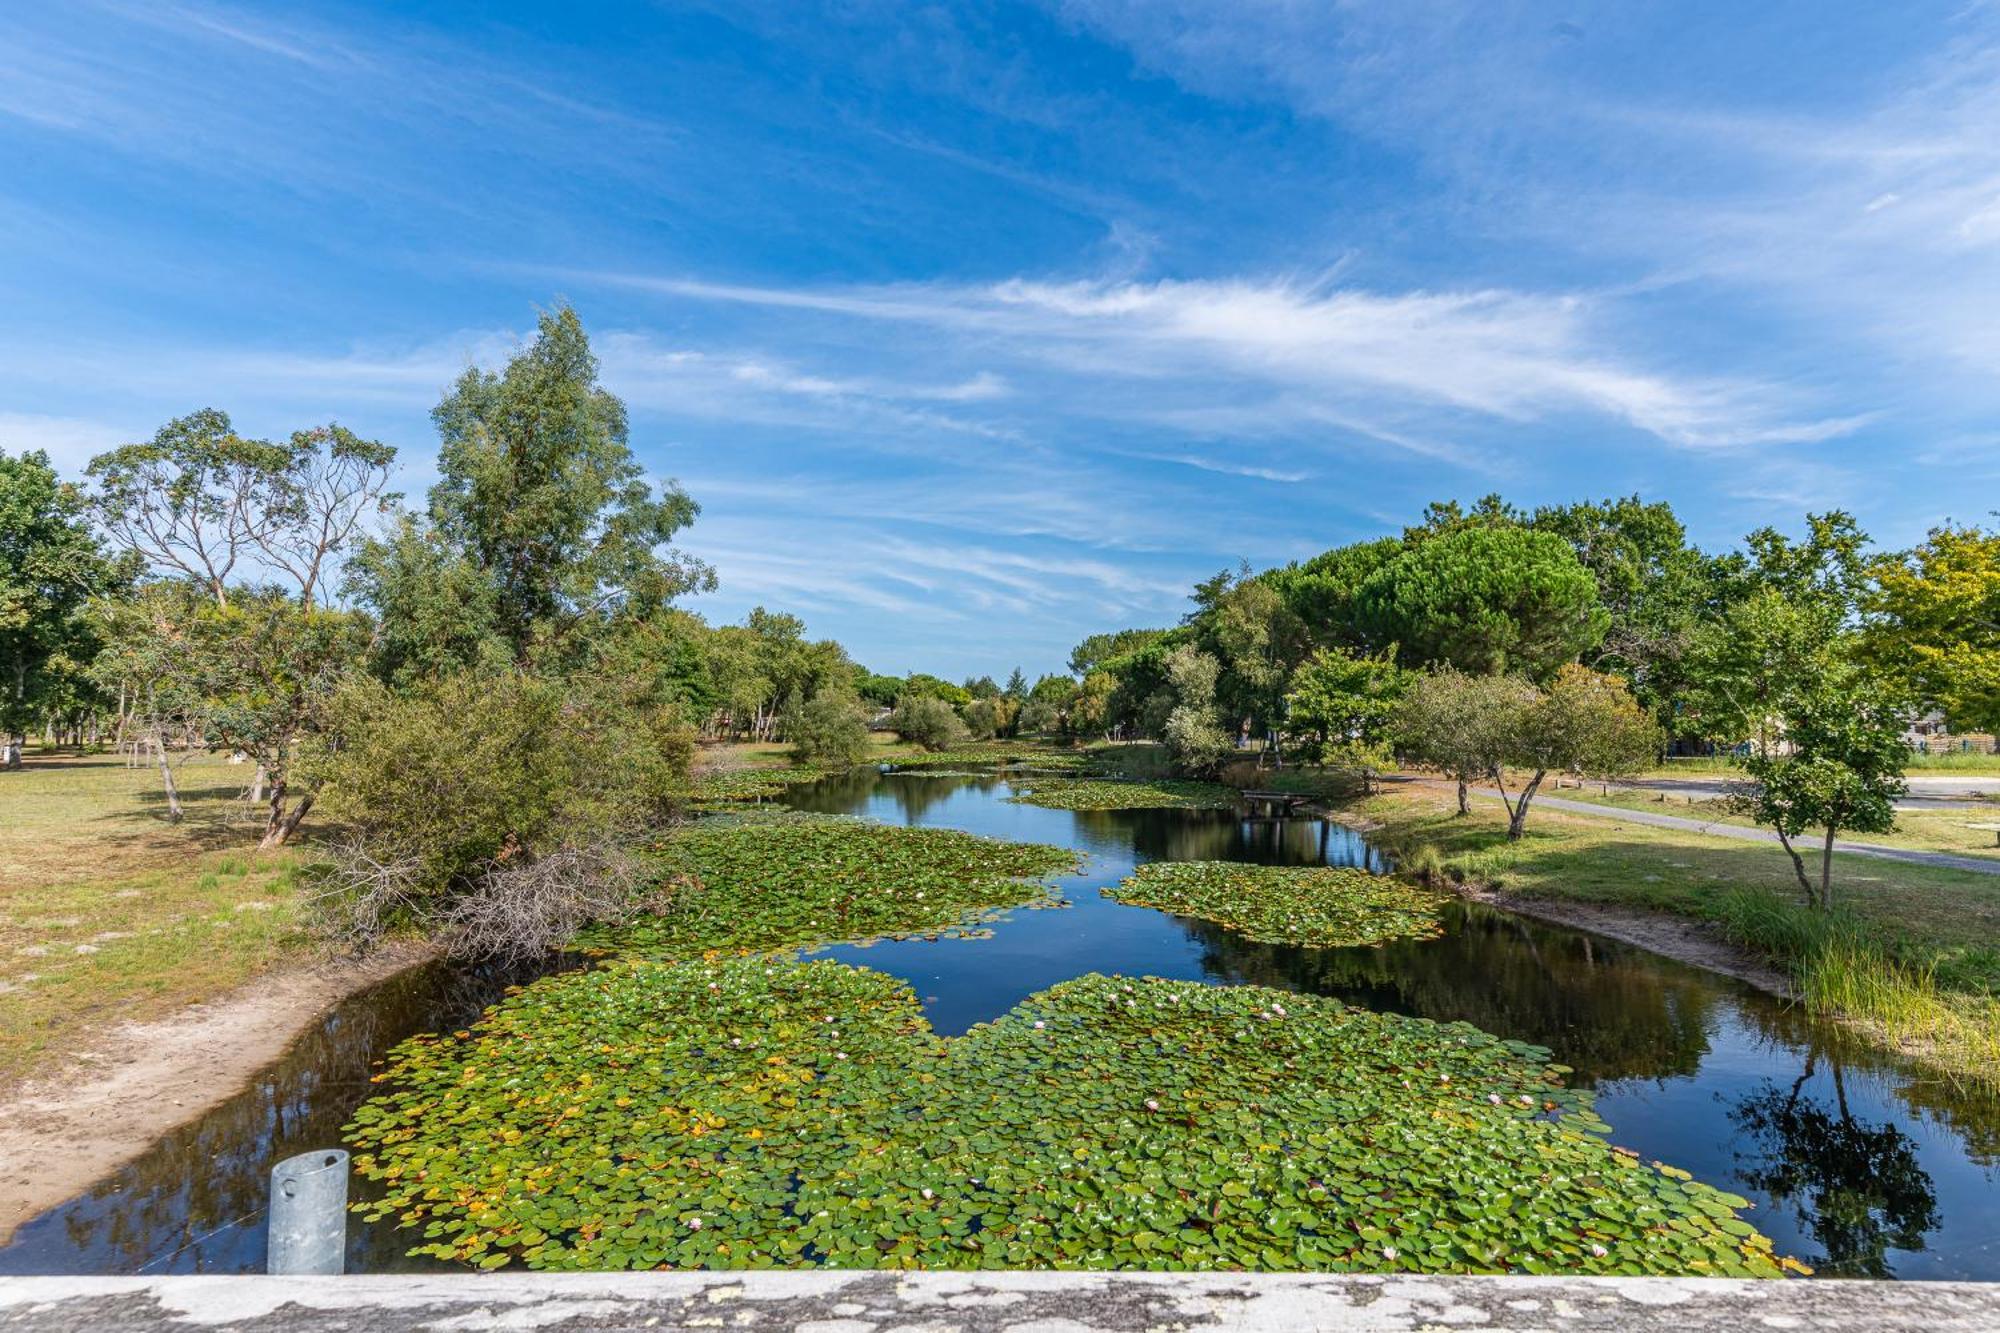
856 1302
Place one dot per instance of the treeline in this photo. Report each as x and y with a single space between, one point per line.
487 693
1586 638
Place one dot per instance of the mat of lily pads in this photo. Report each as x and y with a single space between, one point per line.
747 784
751 1112
1321 906
790 882
1090 794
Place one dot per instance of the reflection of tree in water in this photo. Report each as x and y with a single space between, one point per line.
1586 999
1218 835
1855 1187
196 1201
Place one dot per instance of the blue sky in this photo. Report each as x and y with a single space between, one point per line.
975 328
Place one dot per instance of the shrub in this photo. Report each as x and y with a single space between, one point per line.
830 729
927 721
451 791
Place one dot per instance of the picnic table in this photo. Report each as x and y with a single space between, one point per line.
1994 829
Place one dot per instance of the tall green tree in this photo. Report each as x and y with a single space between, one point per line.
1486 598
541 504
51 565
1342 705
1933 621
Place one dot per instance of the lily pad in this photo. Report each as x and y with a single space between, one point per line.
1321 906
800 880
1092 794
755 1112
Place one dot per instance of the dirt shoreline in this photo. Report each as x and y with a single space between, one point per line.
62 1133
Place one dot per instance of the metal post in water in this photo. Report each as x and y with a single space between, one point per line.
308 1214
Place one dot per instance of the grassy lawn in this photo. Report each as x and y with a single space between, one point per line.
108 912
1912 954
1918 830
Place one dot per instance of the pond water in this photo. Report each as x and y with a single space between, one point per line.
1853 1161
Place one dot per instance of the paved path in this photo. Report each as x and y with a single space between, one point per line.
1981 865
1928 791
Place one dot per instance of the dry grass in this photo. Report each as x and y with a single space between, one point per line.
108 912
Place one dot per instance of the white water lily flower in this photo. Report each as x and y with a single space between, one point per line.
1599 1251
694 1224
1152 1105
1493 1097
1039 1025
1389 1252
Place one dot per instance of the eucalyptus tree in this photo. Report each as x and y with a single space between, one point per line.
542 526
199 501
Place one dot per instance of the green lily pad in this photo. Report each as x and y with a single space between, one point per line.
1322 906
759 1112
792 880
1093 794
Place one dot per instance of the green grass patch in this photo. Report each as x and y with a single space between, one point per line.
1094 794
1319 906
754 1113
1909 959
793 882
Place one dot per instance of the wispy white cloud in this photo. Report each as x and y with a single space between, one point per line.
1335 354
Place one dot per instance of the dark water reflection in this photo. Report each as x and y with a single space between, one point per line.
1854 1163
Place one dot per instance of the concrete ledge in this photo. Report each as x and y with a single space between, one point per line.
863 1302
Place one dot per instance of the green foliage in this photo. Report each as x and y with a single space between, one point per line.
50 567
1934 622
922 686
928 721
990 715
471 772
1839 766
1342 704
1193 730
757 1113
1099 649
1318 906
830 729
1456 724
541 526
1091 794
797 882
1586 722
1486 599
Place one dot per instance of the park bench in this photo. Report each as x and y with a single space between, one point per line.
1994 829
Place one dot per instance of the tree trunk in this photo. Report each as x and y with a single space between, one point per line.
1798 868
167 779
10 751
283 823
257 786
1464 798
1826 869
1517 812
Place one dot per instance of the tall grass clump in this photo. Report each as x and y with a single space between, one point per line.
1844 968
